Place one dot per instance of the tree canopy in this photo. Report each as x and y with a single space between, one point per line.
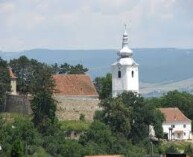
104 86
69 69
43 104
4 82
25 70
125 116
182 100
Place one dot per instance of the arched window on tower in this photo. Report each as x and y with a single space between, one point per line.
132 73
119 74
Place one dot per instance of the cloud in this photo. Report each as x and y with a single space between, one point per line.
94 23
6 7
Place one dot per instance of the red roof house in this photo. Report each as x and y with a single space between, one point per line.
176 125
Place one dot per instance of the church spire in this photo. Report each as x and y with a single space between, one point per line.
125 38
125 51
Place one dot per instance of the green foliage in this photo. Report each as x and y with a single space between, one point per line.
69 69
104 86
24 70
116 115
100 136
82 117
43 107
125 116
171 149
72 148
72 125
21 131
189 150
17 149
4 82
182 100
99 139
42 80
57 144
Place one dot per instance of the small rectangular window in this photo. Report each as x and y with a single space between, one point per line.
132 74
184 134
119 74
173 126
184 125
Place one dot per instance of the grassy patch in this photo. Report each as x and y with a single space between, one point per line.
10 117
74 125
180 145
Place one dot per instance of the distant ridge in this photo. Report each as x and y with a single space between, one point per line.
157 65
158 89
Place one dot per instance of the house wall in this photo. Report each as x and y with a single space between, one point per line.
179 127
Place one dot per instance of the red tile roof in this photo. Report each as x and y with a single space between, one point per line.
74 85
11 74
174 115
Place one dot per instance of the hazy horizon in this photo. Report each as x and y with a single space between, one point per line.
96 24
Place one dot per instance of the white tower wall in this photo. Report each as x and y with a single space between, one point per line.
125 76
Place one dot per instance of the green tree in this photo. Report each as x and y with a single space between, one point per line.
43 105
64 68
182 100
4 82
116 115
98 139
17 149
171 149
128 114
104 86
42 80
69 69
24 69
22 130
189 150
77 69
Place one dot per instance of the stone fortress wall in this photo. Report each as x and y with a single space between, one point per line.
18 104
68 108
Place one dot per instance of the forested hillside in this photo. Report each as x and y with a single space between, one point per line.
156 65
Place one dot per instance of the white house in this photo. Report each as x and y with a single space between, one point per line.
125 70
176 125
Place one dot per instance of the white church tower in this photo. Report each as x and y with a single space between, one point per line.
125 75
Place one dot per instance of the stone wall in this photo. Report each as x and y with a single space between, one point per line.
17 103
68 108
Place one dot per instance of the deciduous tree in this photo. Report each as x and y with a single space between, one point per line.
24 69
4 82
104 86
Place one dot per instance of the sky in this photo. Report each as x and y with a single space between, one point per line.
95 24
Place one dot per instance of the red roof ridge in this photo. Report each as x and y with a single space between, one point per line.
173 114
74 85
